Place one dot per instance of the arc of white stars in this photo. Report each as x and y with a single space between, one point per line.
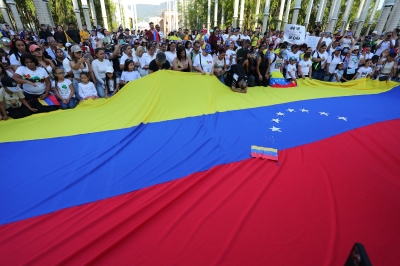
304 110
276 120
280 114
323 113
290 110
342 118
275 129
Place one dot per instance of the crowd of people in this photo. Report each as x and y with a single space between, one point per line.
71 66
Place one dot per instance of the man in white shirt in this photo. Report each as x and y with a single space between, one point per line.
203 63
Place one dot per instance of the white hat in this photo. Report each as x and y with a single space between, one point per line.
68 44
75 49
374 32
109 69
356 47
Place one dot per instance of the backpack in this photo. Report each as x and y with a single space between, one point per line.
316 65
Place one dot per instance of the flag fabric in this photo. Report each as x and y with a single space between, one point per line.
160 174
265 153
50 100
278 81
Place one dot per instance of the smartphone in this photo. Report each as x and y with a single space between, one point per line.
86 56
121 41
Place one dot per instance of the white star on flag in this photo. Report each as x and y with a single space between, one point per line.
280 114
323 113
276 120
290 110
275 129
303 110
342 118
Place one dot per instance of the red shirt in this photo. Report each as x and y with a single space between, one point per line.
150 35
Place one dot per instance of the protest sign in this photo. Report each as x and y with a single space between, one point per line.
294 34
312 41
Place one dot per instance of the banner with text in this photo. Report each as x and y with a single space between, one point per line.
294 34
312 41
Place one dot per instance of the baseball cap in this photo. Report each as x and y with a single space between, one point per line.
338 48
349 33
227 43
109 69
356 47
374 32
208 48
345 50
293 58
33 47
76 49
10 83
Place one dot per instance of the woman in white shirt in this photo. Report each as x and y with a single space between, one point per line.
387 43
230 55
35 82
319 63
203 62
171 52
19 47
127 52
99 67
43 62
150 55
79 64
304 67
140 59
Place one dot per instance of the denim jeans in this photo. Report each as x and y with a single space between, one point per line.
76 89
319 74
70 105
101 90
221 78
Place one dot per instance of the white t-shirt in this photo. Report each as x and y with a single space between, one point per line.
170 56
290 69
334 62
346 43
234 38
228 57
297 55
321 55
206 62
385 45
128 76
245 37
66 65
363 72
14 61
339 73
87 90
141 60
63 88
275 63
100 68
38 76
305 66
149 58
111 84
353 62
123 58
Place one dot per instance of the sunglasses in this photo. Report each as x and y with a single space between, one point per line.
79 52
60 73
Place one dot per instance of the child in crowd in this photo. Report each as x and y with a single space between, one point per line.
338 74
365 70
12 100
63 89
291 69
129 72
86 88
304 68
112 82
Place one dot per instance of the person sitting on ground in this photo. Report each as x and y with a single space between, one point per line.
63 89
12 100
159 63
237 79
181 62
203 63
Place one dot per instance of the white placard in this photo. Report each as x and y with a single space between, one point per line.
312 41
294 34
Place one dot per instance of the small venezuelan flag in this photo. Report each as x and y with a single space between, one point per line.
278 81
265 153
50 100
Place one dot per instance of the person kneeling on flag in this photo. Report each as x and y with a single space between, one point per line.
13 101
237 78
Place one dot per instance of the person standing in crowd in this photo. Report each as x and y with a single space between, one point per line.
35 81
160 33
338 74
63 89
388 68
365 71
44 33
181 62
84 33
159 63
386 43
73 34
255 38
346 40
332 62
319 58
277 61
19 47
12 100
305 67
152 34
353 61
99 67
60 36
317 28
203 63
215 40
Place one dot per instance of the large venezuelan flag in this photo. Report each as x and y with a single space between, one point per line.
161 174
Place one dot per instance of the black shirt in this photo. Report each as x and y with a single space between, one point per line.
44 34
154 67
74 35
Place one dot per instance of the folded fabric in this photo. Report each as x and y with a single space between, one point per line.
50 100
265 153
